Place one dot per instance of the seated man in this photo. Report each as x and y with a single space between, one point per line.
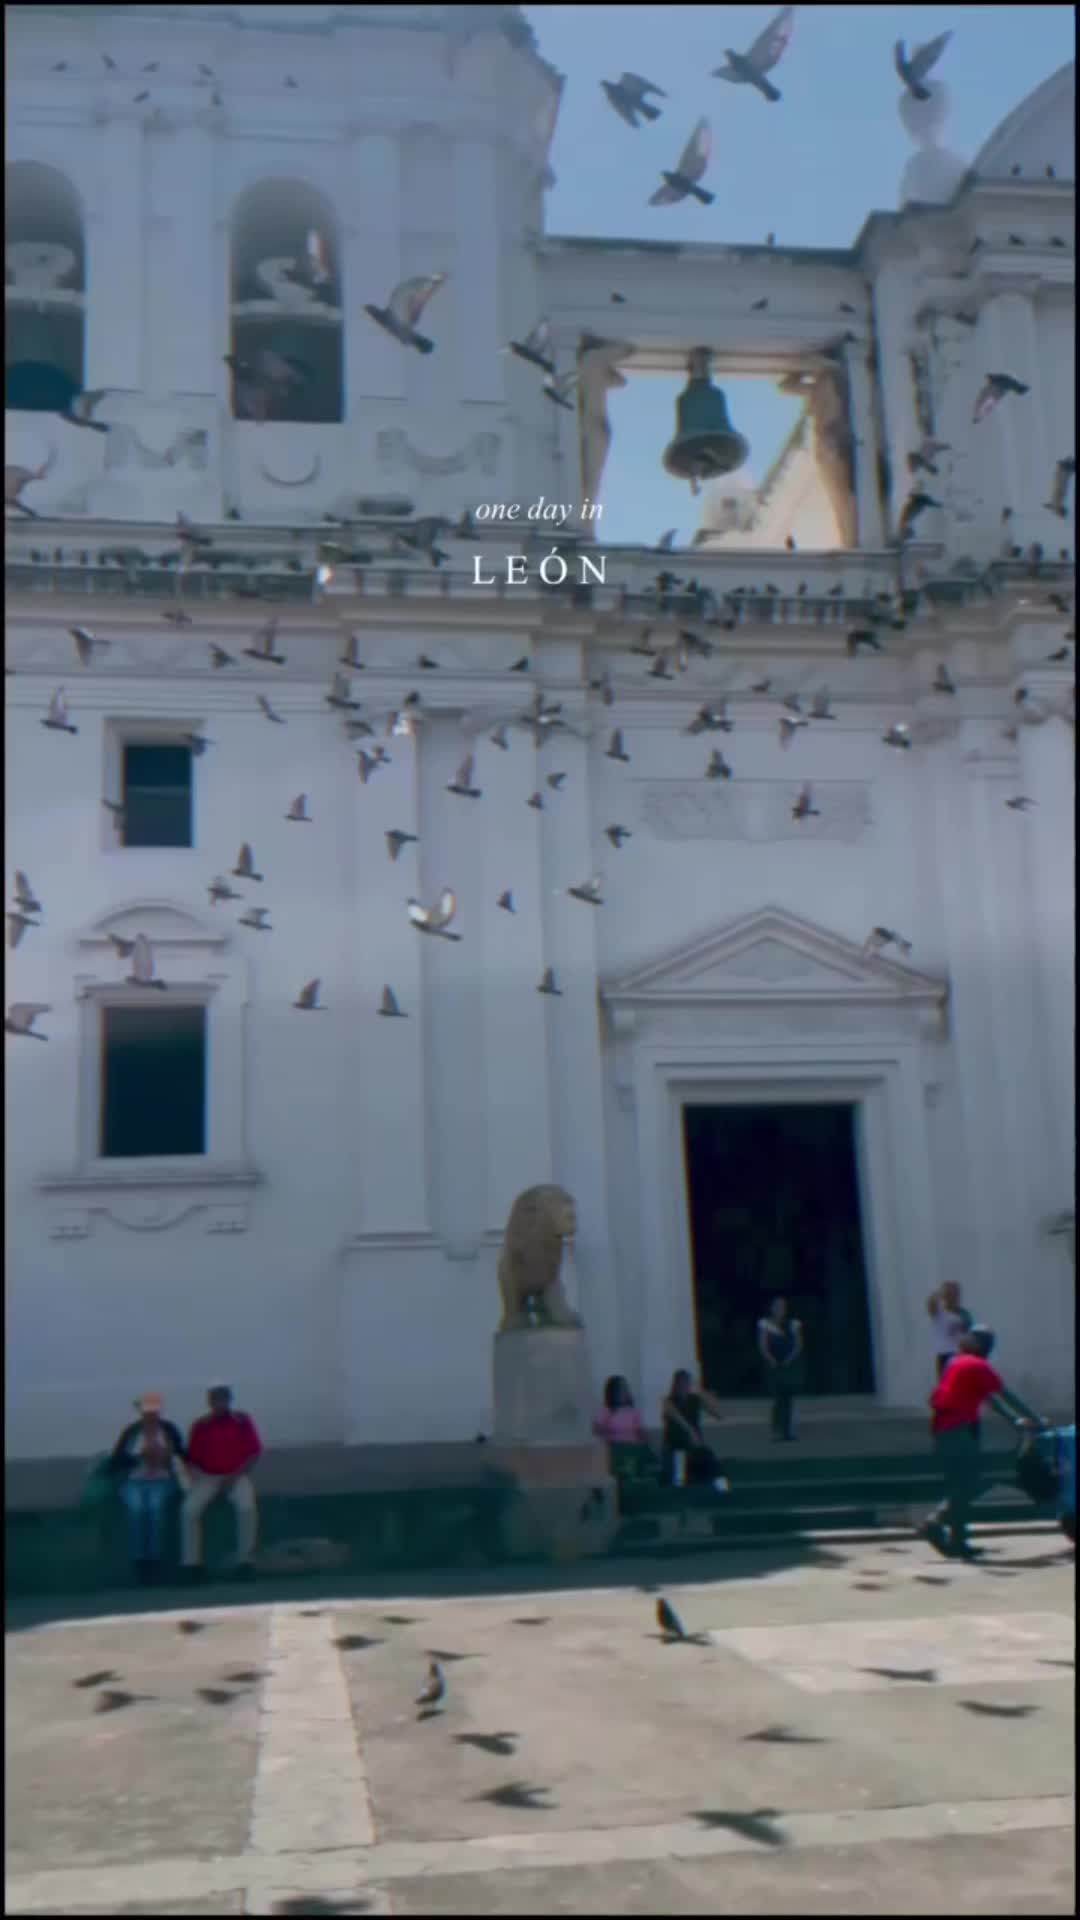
222 1447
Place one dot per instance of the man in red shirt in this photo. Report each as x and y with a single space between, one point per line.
222 1448
968 1384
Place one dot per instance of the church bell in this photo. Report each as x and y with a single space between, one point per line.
705 444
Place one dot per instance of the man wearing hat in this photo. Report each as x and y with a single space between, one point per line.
968 1384
222 1448
148 1463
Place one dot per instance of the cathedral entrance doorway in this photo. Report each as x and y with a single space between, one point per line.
774 1207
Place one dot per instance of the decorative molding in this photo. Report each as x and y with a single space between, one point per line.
753 810
394 450
410 1239
303 480
150 1200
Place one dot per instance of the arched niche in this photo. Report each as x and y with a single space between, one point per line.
275 308
44 289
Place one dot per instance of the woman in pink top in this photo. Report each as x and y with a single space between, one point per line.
621 1425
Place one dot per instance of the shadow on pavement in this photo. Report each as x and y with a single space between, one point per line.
341 1589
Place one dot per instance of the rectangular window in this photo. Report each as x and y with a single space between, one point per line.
156 794
153 1081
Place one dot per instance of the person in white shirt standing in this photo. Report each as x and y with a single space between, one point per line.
780 1344
949 1322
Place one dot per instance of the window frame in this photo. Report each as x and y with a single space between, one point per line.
151 1005
123 731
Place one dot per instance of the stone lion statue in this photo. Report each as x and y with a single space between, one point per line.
540 1220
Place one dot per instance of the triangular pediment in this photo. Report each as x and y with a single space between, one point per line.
773 954
164 925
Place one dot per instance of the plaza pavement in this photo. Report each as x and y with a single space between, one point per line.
871 1731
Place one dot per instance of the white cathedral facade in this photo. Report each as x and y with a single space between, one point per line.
211 1182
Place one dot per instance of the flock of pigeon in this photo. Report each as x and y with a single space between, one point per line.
254 389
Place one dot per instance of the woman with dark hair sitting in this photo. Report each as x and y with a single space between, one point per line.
622 1426
687 1459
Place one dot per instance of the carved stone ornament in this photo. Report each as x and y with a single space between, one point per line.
394 450
188 447
36 267
753 810
146 1212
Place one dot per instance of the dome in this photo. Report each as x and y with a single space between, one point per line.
1039 133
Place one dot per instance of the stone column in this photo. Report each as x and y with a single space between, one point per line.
371 267
1007 325
451 854
187 296
892 311
476 290
115 277
573 1031
1047 761
863 413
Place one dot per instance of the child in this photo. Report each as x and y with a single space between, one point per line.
621 1425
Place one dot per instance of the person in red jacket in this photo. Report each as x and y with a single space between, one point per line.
222 1448
968 1384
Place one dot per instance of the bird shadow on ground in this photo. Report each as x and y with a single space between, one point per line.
430 1713
993 1712
1048 1662
440 1653
113 1700
531 1620
316 1903
520 1796
356 1642
215 1696
760 1826
786 1737
403 1620
96 1679
501 1744
927 1674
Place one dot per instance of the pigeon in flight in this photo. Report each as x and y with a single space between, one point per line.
667 540
558 389
536 347
1064 473
615 749
142 965
298 810
627 96
57 717
25 898
617 835
262 647
218 657
396 839
267 709
506 902
914 505
307 1000
879 938
191 536
711 719
462 782
548 984
804 808
589 891
258 918
862 637
219 889
943 681
819 706
898 735
17 478
403 310
749 69
1019 803
18 921
993 389
340 694
20 1019
245 864
434 1692
915 70
80 411
684 180
923 460
435 919
388 1006
789 725
718 768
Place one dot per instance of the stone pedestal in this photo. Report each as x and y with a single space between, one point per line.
565 1506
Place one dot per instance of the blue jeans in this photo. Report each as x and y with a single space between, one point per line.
146 1501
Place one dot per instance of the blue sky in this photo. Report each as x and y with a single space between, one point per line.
809 169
